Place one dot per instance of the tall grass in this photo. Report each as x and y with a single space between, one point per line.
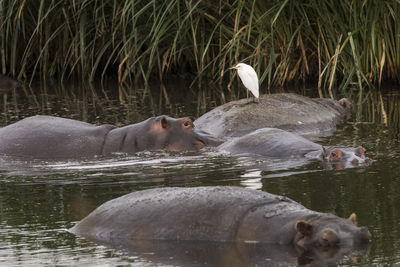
332 44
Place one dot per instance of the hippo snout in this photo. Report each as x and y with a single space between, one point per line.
367 161
363 161
365 235
199 144
208 139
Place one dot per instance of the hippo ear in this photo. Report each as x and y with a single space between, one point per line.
353 218
324 153
164 122
304 228
360 151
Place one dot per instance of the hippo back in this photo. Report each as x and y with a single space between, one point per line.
201 213
270 142
47 137
290 112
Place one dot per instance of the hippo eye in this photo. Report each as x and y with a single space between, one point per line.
187 124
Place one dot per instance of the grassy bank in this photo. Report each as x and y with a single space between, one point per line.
332 44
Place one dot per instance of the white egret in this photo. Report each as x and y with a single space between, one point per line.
249 78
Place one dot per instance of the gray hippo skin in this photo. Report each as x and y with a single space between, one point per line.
229 214
290 112
47 137
276 143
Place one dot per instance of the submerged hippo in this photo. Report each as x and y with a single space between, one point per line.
47 137
223 214
276 143
290 112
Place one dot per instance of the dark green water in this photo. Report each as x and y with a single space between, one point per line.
38 201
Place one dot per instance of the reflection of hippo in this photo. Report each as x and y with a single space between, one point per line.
290 112
46 137
276 143
228 254
218 214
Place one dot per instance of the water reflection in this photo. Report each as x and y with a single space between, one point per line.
72 101
30 245
252 179
156 162
226 254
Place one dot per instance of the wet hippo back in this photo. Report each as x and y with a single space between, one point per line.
201 213
50 137
270 142
290 112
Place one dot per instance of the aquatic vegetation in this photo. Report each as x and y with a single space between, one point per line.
331 44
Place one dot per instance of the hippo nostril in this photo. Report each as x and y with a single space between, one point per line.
354 161
367 236
199 144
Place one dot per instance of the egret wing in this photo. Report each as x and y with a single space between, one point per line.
250 80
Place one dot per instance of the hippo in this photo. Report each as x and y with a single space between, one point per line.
276 143
291 112
54 138
219 214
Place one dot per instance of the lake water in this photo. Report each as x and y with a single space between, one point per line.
39 201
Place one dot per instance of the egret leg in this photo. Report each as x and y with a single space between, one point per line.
250 100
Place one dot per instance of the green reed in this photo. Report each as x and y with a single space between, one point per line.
332 44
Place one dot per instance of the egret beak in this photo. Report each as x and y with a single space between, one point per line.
233 68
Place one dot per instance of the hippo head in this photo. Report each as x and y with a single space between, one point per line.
178 134
330 232
341 157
